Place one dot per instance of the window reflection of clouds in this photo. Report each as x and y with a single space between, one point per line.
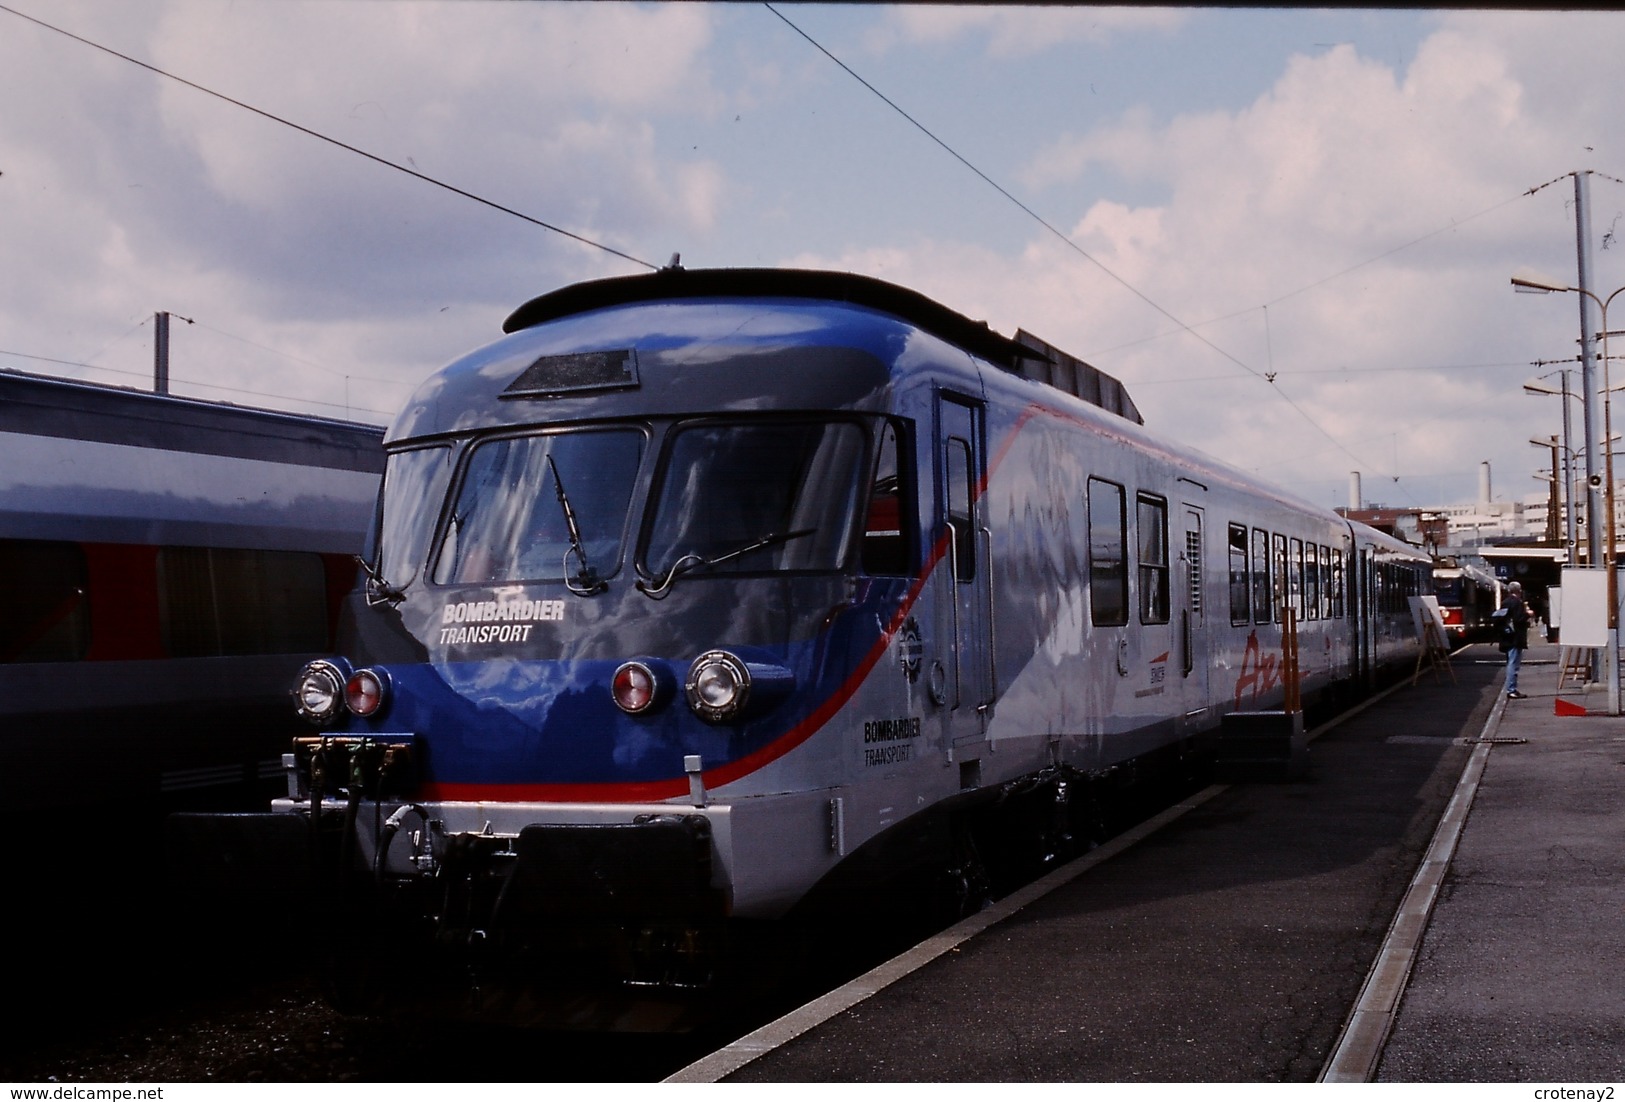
414 484
508 524
729 485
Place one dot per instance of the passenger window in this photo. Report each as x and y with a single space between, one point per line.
44 611
1151 517
885 540
1263 605
1337 585
216 601
1108 560
1280 593
1240 585
1311 582
1325 582
1294 569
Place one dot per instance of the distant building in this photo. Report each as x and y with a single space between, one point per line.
1535 521
1422 527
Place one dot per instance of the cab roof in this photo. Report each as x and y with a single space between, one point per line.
1023 355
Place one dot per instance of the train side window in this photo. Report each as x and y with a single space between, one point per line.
961 510
1151 522
1294 574
217 601
1338 604
1325 582
1311 581
1108 559
1281 595
44 605
1263 607
1240 584
885 535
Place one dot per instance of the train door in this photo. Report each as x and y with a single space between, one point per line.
1193 627
1361 587
968 688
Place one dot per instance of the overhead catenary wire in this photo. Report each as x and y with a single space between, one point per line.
90 365
301 359
1270 375
319 136
1002 190
1064 238
1455 223
1346 371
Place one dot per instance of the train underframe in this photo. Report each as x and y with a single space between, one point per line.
620 926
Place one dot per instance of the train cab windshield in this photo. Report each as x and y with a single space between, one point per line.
414 485
541 508
738 496
756 496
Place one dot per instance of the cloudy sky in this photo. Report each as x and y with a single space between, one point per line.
1289 232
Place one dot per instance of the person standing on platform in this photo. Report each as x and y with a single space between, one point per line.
1515 637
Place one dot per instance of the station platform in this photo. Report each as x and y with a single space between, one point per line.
1439 900
1519 974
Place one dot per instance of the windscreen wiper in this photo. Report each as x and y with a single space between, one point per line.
690 562
378 590
586 581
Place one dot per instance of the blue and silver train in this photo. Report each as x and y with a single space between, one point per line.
704 601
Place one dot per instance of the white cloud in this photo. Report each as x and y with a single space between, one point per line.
1340 162
1019 32
145 194
1375 211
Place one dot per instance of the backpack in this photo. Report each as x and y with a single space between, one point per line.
1506 630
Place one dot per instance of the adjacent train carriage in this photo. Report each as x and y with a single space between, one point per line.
166 566
1468 596
704 599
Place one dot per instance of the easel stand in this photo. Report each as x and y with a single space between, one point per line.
1576 664
1435 652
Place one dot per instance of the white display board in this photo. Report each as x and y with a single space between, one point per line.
1425 610
1585 606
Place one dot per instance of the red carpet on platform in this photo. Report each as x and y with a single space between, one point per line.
1565 708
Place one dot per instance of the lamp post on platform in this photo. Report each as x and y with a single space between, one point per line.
1528 281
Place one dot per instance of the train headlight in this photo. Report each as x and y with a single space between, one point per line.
718 686
366 691
319 692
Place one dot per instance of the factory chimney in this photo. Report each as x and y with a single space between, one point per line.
1484 482
1354 489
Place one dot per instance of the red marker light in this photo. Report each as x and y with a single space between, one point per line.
633 688
364 692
